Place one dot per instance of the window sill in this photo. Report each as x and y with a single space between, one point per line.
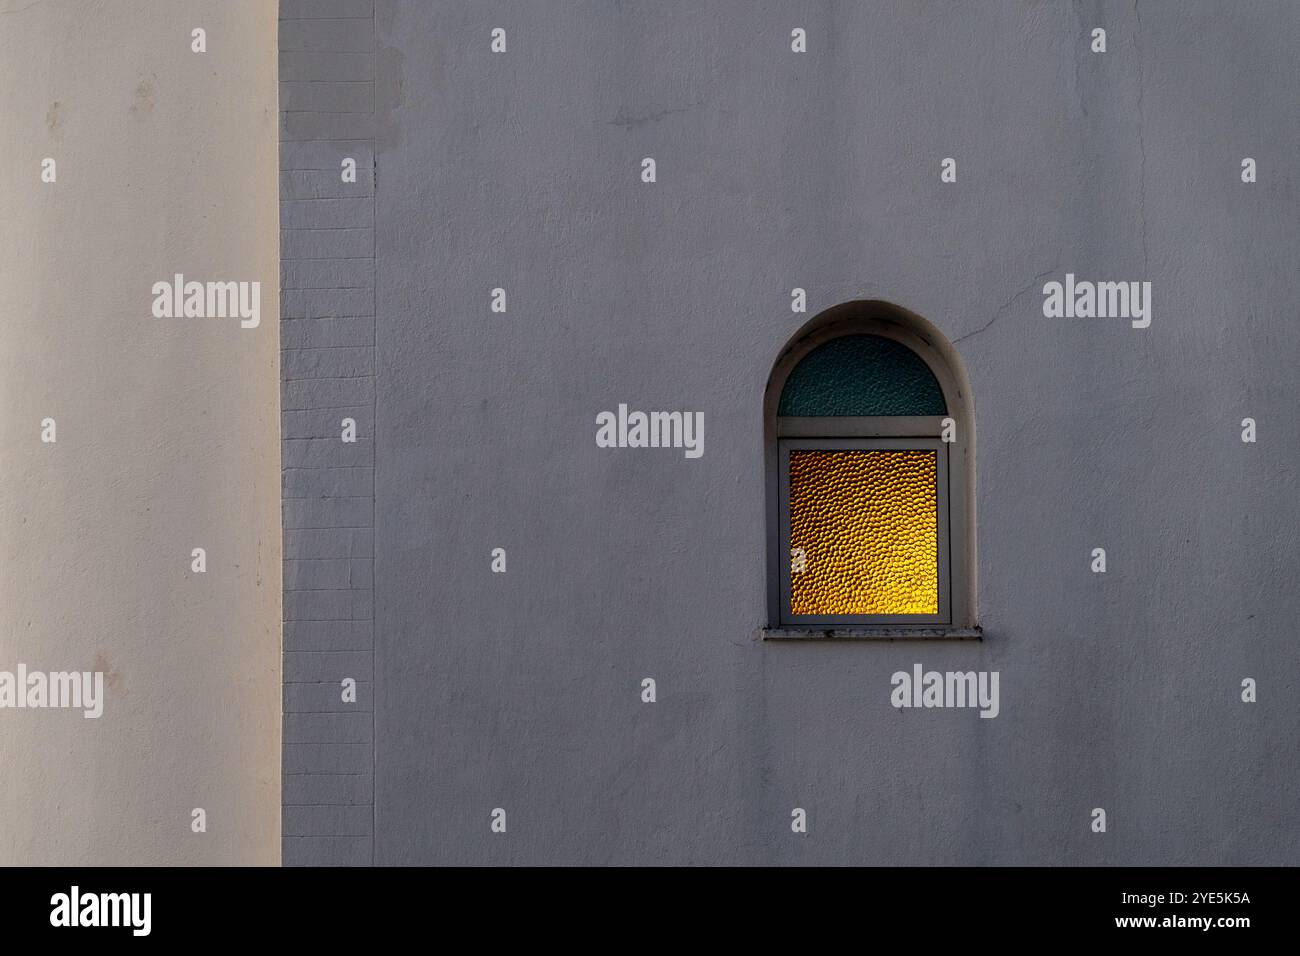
883 632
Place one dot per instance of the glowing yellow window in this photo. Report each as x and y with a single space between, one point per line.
866 526
869 430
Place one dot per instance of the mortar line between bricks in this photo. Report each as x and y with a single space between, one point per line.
319 408
337 527
321 620
359 650
348 590
327 52
291 289
320 497
319 80
329 650
325 773
366 228
309 743
326 497
332 683
325 377
314 498
334 53
338 408
326 836
325 348
328 378
324 228
323 318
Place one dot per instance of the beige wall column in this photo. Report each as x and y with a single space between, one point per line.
167 431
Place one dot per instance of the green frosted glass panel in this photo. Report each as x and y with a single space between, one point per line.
862 375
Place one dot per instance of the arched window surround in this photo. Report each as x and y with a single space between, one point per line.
877 317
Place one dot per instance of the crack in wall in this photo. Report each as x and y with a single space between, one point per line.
997 314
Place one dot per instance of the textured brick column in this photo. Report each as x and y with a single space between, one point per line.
327 335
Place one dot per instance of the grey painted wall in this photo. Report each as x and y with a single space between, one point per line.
821 170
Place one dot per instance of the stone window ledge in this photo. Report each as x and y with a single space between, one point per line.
882 632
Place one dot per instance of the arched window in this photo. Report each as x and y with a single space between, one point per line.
870 480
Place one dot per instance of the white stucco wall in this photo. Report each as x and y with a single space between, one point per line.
167 431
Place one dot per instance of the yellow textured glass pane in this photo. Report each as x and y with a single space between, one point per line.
867 525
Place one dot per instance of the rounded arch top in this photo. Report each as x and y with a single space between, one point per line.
860 374
908 355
